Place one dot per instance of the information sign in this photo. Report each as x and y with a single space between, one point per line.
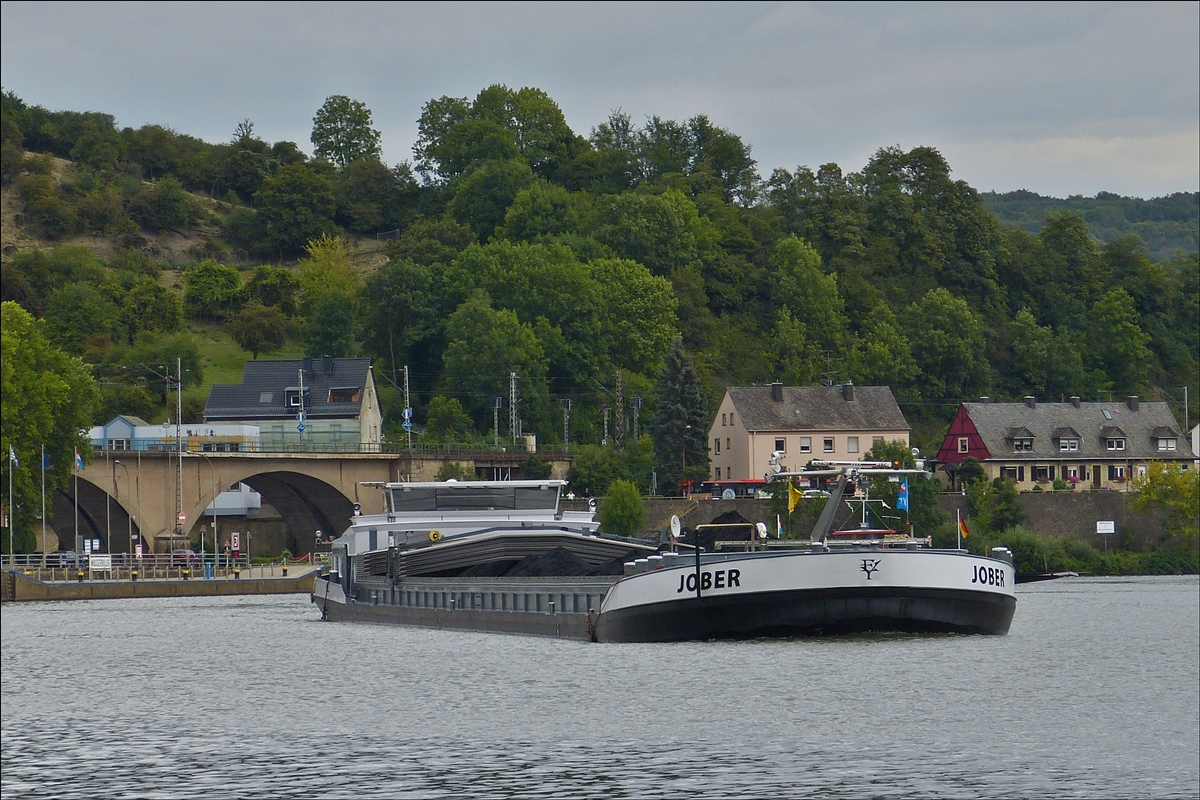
1106 526
100 563
300 427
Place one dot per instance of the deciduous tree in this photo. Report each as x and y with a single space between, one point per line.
342 131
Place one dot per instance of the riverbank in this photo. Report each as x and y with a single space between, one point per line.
19 587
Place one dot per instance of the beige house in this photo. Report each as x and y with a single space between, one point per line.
836 423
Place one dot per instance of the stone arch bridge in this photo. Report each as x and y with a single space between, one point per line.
130 497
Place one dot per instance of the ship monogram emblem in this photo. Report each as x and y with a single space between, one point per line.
869 565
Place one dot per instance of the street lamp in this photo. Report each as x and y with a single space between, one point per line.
683 452
212 474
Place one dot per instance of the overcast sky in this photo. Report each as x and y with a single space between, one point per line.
1057 98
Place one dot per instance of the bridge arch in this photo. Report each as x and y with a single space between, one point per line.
110 518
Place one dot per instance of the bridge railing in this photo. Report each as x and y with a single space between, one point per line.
464 450
67 567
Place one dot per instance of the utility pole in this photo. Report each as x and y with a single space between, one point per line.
566 404
620 432
497 402
514 419
604 408
407 410
637 407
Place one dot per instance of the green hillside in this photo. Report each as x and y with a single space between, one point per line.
512 244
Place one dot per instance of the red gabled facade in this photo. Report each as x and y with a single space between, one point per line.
962 428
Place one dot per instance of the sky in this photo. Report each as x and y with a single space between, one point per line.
1057 98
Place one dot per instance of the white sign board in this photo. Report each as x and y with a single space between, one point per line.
236 541
100 563
1106 526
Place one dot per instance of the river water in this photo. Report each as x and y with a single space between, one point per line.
1094 693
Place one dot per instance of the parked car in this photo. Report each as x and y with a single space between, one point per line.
184 558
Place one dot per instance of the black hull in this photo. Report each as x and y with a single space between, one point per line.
811 612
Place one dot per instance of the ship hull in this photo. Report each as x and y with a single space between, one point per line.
806 594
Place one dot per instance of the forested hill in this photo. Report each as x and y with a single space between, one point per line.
1163 225
643 260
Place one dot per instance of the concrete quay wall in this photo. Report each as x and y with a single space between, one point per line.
23 588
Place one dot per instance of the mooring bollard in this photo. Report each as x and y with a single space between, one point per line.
285 570
79 576
237 573
185 573
133 576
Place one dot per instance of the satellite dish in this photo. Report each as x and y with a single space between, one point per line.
728 494
762 530
916 451
675 526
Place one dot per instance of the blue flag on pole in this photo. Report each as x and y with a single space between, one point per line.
78 461
902 501
45 460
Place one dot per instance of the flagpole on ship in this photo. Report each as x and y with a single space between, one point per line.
958 526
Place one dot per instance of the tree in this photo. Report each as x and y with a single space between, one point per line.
679 425
484 346
342 131
79 317
47 400
622 511
327 269
446 421
331 325
295 206
150 306
1117 345
484 195
1176 494
211 289
948 346
275 287
882 353
258 328
802 286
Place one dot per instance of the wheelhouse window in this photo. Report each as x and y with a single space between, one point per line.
1114 444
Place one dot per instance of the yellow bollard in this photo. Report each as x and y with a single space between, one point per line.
133 575
285 570
79 576
237 573
185 573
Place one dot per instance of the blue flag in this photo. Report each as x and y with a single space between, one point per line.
45 460
902 501
78 461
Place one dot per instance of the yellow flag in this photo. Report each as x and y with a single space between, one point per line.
794 494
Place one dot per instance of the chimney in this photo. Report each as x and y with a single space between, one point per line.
985 399
777 392
1132 402
308 364
848 391
328 364
1075 401
1030 401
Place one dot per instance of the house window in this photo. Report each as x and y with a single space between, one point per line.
805 444
1041 474
1115 444
828 444
1010 473
1022 445
1068 445
717 474
1168 444
344 395
876 440
723 420
1141 470
1072 474
726 442
963 444
731 418
781 445
1116 473
851 444
717 448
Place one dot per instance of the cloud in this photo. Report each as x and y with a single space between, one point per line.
802 83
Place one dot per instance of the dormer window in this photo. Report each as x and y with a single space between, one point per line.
1068 445
1023 445
1168 445
1114 443
344 395
291 396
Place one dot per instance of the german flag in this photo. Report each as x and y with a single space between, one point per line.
962 528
